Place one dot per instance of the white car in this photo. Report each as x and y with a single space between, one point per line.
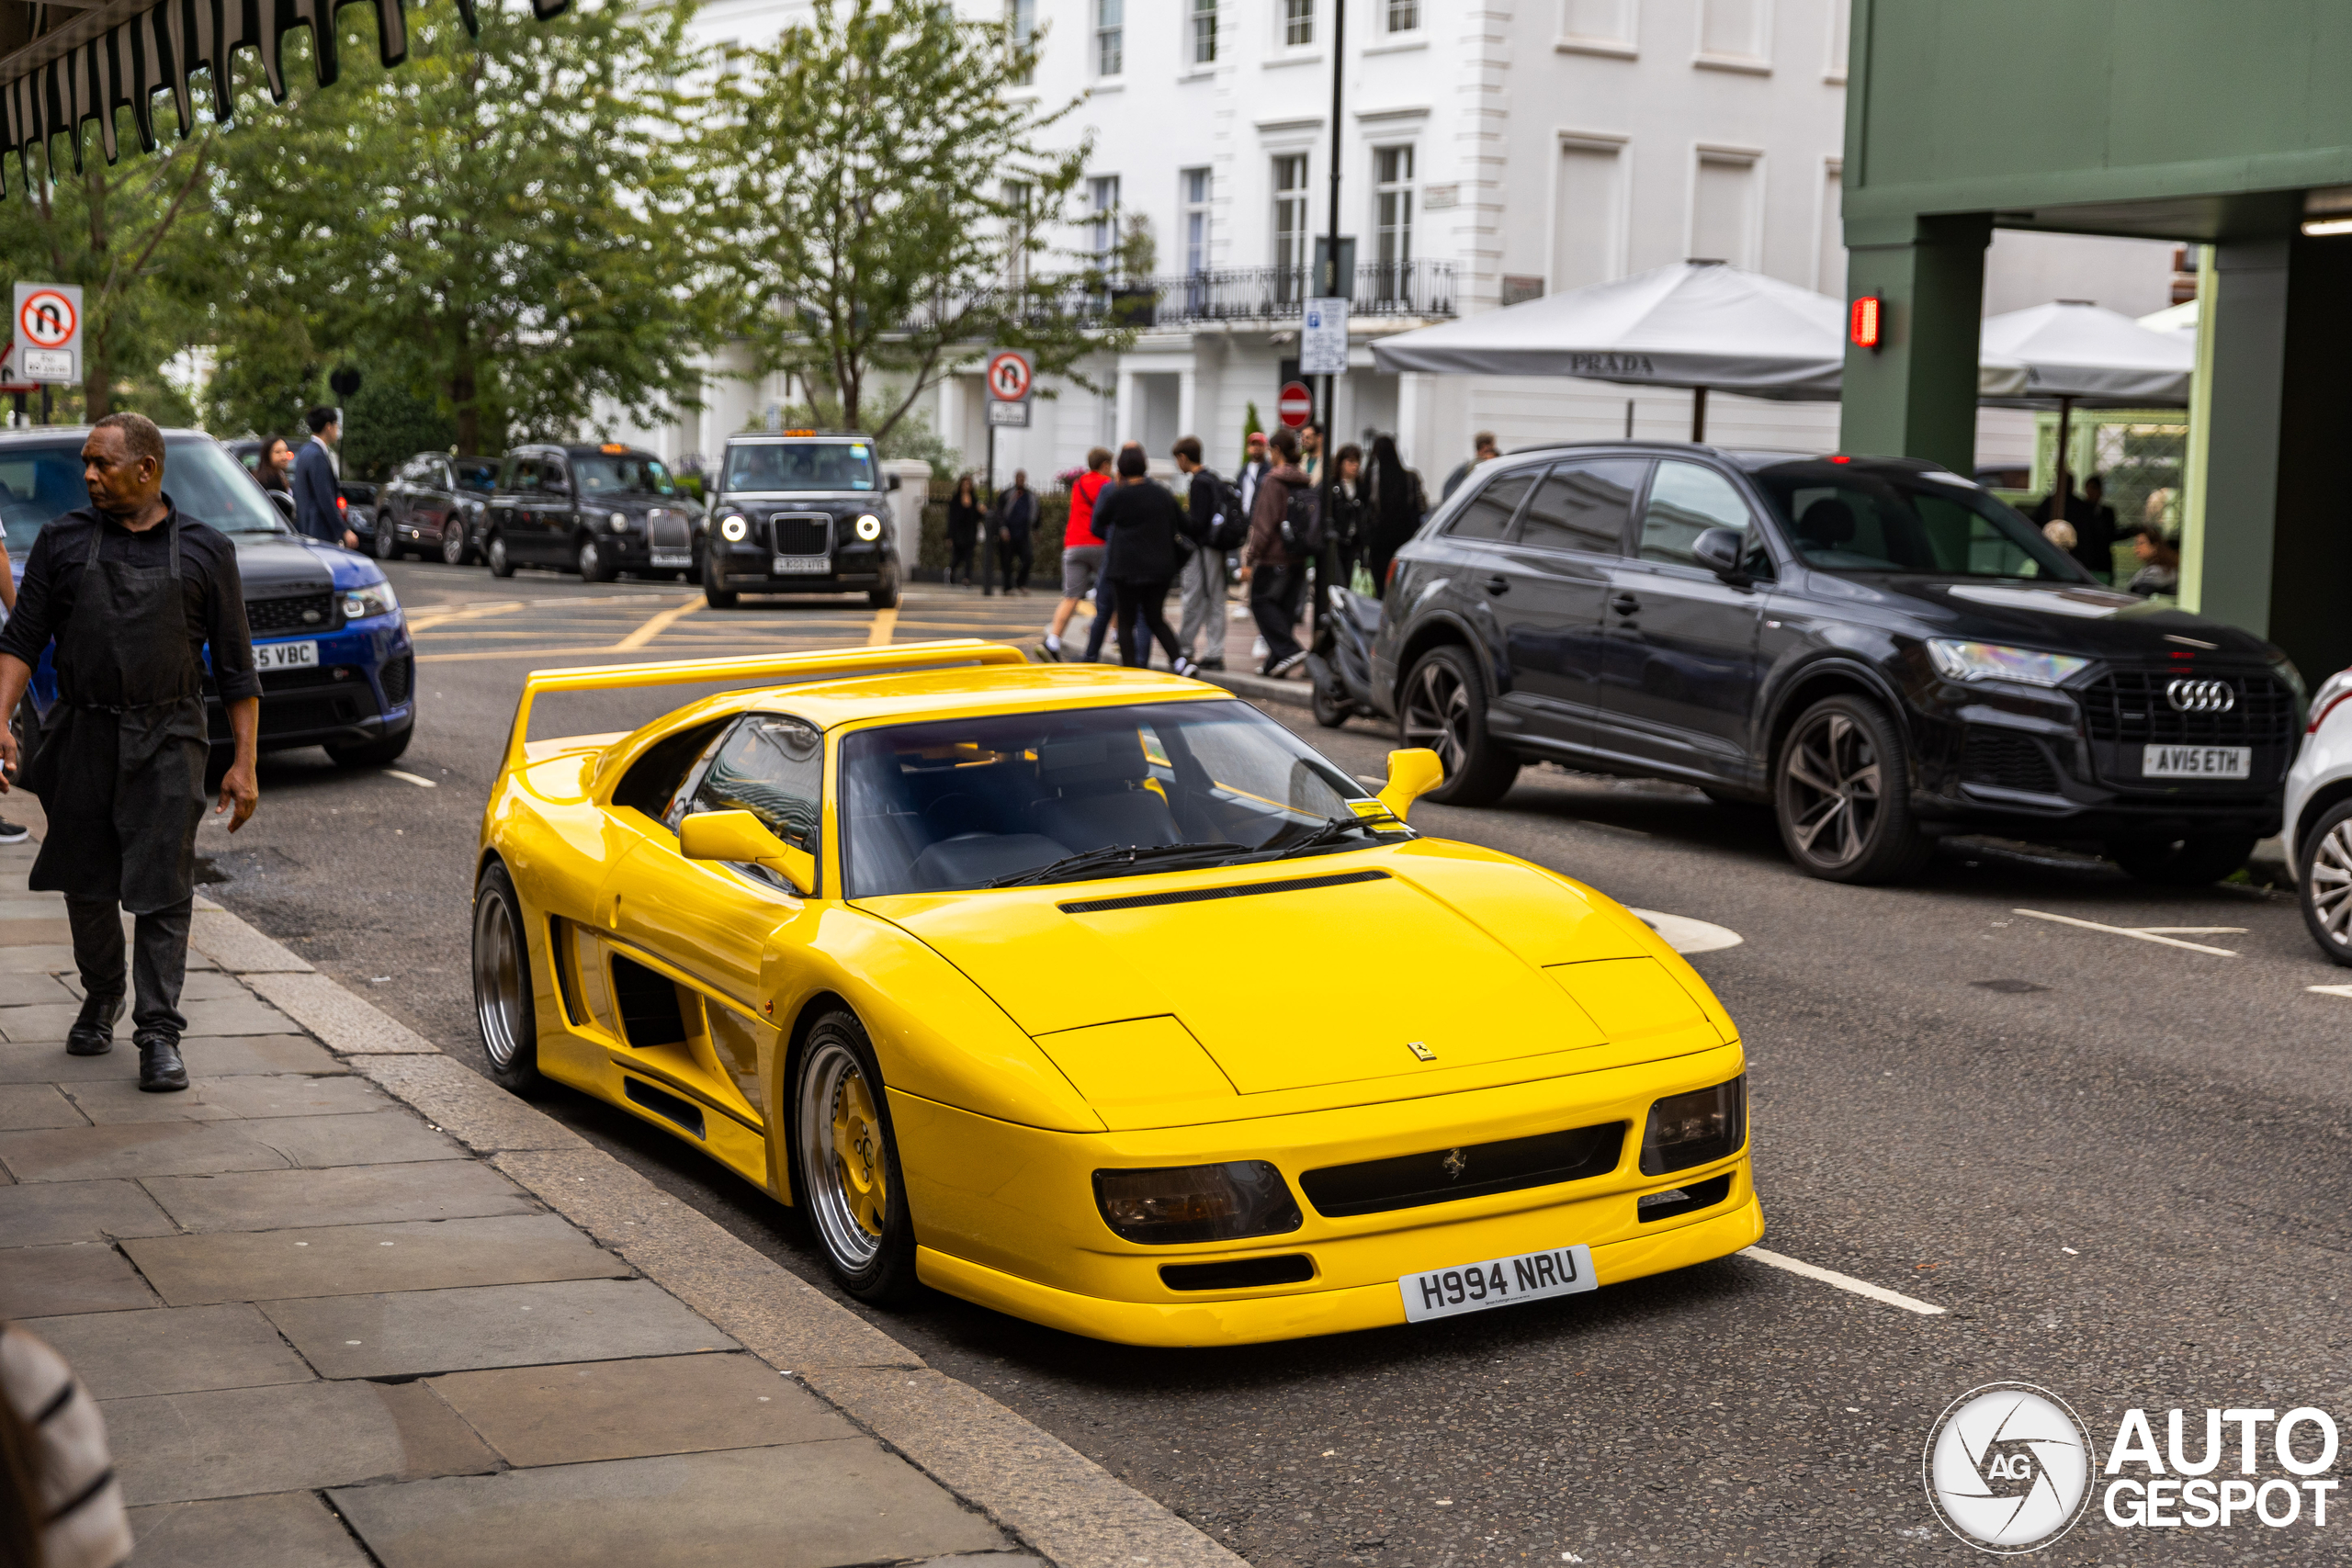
2318 821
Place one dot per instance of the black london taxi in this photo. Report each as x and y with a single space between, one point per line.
597 510
801 511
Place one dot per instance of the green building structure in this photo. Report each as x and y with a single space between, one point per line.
2226 123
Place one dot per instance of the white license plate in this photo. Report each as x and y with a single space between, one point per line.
1498 1281
2196 762
802 566
671 558
286 656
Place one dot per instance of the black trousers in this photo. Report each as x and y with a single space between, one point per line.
959 568
1014 557
1106 616
1274 594
158 960
1143 615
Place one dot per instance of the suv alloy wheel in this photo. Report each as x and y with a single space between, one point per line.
453 541
1842 795
1444 708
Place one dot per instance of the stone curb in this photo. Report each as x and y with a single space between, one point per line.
1037 1487
1295 693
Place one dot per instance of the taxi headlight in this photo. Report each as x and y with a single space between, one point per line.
619 521
1174 1205
734 529
1993 661
869 527
375 599
1692 1129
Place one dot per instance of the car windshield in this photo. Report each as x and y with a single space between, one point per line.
479 475
800 465
631 473
1857 520
968 802
41 483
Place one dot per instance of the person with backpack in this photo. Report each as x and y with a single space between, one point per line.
1285 533
1214 522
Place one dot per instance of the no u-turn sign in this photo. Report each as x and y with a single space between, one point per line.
47 327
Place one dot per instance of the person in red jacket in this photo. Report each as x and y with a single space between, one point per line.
1082 552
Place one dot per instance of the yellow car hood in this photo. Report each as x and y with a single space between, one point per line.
1408 964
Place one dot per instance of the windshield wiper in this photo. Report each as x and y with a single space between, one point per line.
1331 832
1114 858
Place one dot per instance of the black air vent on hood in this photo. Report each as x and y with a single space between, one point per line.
1199 894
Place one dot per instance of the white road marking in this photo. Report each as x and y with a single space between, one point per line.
2192 931
1686 935
411 778
2134 934
1845 1283
2331 990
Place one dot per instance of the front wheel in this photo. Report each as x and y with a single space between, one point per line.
381 753
453 542
501 563
847 1159
2324 883
503 1007
1444 709
2194 861
1842 796
886 596
715 596
596 563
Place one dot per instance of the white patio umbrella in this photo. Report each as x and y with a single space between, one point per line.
2076 352
1703 325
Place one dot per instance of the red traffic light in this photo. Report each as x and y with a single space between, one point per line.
1864 325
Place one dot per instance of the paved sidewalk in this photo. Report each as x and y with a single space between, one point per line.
344 1302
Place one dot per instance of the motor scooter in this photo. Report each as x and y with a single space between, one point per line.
1338 670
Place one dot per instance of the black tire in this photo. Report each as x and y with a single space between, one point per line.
1444 708
886 596
2198 861
494 551
717 598
456 548
502 983
842 1147
1842 793
387 541
2324 881
594 563
1330 712
379 753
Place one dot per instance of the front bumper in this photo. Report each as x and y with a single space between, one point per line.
749 569
1006 1213
362 689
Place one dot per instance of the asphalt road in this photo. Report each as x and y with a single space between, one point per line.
2119 1165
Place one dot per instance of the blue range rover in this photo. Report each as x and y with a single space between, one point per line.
338 669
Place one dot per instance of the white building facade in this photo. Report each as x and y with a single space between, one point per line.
1487 153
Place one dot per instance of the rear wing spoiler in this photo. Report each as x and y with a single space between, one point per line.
780 669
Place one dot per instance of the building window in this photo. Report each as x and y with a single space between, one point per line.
1196 188
1587 216
1019 222
1404 16
1731 29
1606 23
1290 226
1103 225
1021 26
1110 37
1392 196
1723 210
1299 23
1205 32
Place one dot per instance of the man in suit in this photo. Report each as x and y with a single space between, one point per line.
315 512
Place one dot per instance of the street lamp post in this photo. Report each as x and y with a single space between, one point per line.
1331 285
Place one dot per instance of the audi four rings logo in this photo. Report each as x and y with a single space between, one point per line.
2201 696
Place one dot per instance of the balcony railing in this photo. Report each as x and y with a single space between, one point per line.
1257 295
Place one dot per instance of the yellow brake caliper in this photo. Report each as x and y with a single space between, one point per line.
857 1153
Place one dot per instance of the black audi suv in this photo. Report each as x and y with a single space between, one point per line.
1876 647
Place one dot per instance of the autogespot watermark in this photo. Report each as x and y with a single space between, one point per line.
2009 1468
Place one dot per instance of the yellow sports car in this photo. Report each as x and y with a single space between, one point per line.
1097 996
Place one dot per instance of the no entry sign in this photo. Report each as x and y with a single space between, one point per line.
1296 404
47 325
1010 377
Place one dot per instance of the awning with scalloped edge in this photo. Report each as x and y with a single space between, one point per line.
123 52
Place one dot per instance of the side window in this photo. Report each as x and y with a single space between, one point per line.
1685 502
522 475
436 476
774 768
1489 512
655 781
553 475
1584 506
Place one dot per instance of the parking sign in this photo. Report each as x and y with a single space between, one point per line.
1323 338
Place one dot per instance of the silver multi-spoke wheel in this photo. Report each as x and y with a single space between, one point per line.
845 1155
1834 785
2326 883
453 542
502 982
1437 713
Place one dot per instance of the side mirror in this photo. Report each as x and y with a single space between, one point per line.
284 503
1412 773
740 836
1720 550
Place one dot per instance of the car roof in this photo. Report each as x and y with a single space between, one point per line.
774 438
1750 459
28 435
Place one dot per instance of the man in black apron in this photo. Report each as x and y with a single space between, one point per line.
133 592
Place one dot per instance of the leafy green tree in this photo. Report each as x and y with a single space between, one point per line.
501 222
883 204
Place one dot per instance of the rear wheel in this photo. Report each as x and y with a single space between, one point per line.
596 563
1444 709
1330 712
2324 883
453 542
851 1186
502 983
1842 795
2193 861
388 539
501 563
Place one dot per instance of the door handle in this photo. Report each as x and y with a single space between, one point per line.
1498 585
1625 604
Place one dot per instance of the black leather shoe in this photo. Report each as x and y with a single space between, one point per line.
93 1032
160 1067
